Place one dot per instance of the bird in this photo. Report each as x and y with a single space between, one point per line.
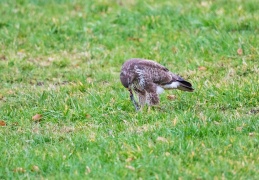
148 79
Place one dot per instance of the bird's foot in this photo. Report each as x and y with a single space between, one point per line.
136 106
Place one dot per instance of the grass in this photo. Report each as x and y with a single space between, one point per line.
61 59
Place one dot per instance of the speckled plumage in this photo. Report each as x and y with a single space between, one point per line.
148 78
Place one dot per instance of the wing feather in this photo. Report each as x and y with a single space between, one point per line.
160 74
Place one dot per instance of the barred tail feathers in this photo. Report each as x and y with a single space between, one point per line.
185 86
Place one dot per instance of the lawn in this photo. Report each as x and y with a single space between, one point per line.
65 115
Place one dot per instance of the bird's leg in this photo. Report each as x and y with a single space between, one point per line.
133 100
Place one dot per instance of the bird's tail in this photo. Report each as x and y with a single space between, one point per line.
185 86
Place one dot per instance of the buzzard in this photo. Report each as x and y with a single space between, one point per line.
148 79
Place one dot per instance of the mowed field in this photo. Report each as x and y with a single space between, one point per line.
65 115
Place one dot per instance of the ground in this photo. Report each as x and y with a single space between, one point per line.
64 113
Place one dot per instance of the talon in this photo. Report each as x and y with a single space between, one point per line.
133 100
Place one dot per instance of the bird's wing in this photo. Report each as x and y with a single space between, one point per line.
169 78
152 64
160 74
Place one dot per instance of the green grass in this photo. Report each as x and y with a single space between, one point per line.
62 59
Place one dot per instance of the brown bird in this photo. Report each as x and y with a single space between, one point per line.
148 79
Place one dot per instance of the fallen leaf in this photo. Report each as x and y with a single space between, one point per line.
240 51
134 39
37 117
3 57
239 128
251 134
167 154
35 168
19 170
51 59
89 80
129 159
171 97
175 122
162 139
87 170
202 68
192 154
216 122
130 167
174 49
10 92
2 123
